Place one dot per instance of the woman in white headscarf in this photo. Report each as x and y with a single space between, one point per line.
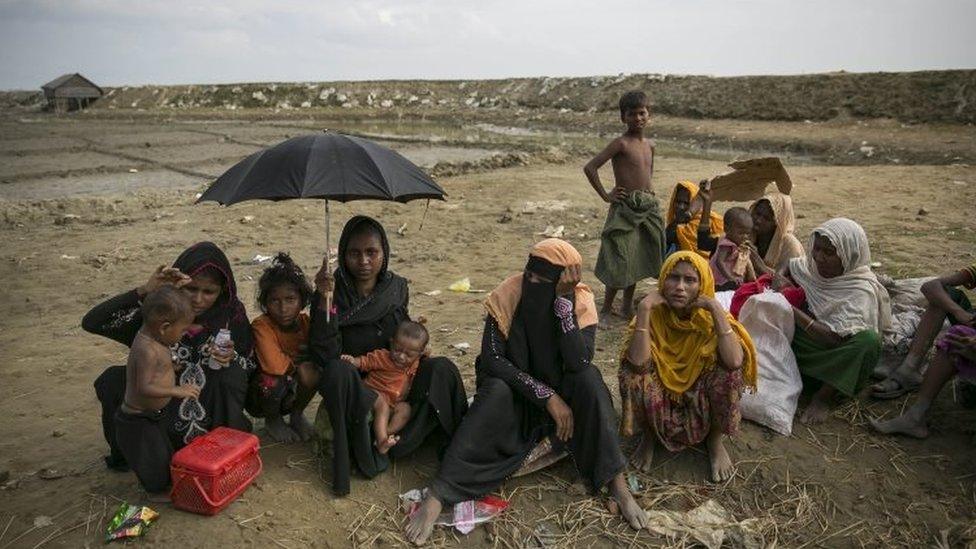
837 342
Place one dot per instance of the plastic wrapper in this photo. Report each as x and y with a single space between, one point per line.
463 285
130 521
463 516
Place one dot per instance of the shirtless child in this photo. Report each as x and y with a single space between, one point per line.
632 241
141 424
390 373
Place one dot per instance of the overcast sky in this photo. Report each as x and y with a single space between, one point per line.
116 42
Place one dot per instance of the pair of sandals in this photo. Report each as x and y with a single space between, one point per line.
895 382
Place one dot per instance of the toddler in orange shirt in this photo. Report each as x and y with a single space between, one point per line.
390 373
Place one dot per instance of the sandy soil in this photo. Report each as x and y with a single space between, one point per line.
75 232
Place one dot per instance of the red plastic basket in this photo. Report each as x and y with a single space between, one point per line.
210 472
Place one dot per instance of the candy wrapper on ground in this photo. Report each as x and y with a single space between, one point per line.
464 516
130 521
463 285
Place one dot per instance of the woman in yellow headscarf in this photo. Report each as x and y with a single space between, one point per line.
684 229
684 366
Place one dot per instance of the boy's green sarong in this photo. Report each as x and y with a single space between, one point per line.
847 367
632 242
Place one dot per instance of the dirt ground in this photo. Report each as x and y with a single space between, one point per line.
90 205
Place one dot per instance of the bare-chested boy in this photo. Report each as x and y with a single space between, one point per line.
141 424
632 245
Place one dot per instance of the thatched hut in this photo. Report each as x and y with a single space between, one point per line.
70 92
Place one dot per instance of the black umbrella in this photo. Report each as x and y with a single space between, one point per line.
329 166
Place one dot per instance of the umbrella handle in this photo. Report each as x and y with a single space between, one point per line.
328 262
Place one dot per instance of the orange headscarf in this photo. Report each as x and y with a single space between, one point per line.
682 349
503 300
688 232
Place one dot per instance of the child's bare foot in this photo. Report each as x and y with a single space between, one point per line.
384 445
421 524
722 468
815 413
279 430
629 509
643 456
904 424
301 426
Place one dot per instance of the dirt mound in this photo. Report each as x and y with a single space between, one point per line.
926 96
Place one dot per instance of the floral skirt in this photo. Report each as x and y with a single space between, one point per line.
684 421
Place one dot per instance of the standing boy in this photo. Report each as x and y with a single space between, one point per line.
632 242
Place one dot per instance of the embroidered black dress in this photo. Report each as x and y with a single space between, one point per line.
222 391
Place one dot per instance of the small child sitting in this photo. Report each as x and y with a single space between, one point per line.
142 421
390 374
287 379
730 262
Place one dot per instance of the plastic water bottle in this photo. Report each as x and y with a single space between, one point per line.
220 342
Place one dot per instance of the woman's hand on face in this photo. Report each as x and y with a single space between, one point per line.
562 414
324 282
568 280
708 303
651 300
223 355
164 276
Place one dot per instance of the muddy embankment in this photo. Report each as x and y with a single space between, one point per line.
913 97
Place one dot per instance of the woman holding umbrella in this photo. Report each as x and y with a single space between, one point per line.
368 302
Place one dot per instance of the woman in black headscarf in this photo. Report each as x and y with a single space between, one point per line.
204 274
535 380
369 301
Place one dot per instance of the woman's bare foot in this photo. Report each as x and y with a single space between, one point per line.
722 468
816 412
421 524
643 456
301 426
629 509
819 408
279 430
904 424
385 445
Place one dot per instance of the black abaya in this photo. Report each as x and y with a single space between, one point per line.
508 418
363 324
543 353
